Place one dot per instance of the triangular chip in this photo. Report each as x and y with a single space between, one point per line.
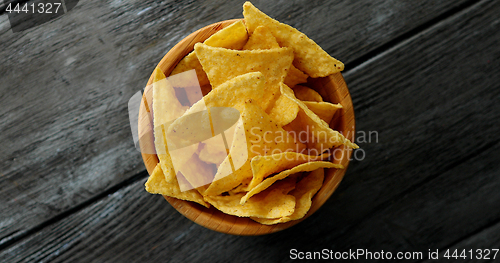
233 36
262 38
305 167
260 133
324 110
283 110
231 94
263 166
306 94
158 184
166 108
222 64
320 136
269 204
309 56
303 193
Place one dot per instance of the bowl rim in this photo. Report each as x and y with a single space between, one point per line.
212 218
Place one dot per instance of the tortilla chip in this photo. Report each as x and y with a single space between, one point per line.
262 38
263 166
324 110
295 76
231 94
189 62
321 136
166 108
305 167
158 184
233 36
283 110
222 64
214 150
253 137
268 204
303 193
306 94
196 172
186 83
309 57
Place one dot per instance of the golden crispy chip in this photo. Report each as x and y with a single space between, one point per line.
295 76
309 57
232 93
304 93
213 150
196 172
235 168
196 126
242 188
189 62
304 192
263 166
305 167
166 108
284 110
188 82
262 38
222 64
254 136
233 36
158 184
267 204
324 110
321 136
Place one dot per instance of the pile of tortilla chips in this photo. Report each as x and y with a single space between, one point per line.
257 144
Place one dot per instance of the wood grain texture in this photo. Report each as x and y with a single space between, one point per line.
432 114
433 171
64 87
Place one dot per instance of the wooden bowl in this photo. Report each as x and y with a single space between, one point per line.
332 88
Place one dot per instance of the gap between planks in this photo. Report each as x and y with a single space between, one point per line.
19 235
408 35
426 181
351 67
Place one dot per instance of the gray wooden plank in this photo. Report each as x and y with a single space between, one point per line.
431 112
421 185
135 227
65 85
459 202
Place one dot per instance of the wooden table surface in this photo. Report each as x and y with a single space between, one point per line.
424 77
